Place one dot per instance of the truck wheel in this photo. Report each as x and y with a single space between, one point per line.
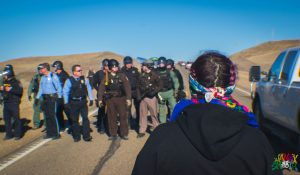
258 114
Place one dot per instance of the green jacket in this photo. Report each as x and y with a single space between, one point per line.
175 80
169 79
34 85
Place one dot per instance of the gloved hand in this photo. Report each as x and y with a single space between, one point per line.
175 93
60 101
91 103
128 102
67 106
180 95
100 103
36 102
151 94
29 98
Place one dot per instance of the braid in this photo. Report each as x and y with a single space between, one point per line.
233 74
213 69
216 73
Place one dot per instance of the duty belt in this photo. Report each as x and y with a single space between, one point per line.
49 96
78 98
165 89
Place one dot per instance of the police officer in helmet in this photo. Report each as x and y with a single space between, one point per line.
166 95
149 85
12 92
100 75
180 94
132 74
63 76
117 93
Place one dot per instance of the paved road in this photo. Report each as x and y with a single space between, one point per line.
100 156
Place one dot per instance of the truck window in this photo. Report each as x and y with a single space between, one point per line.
276 67
289 65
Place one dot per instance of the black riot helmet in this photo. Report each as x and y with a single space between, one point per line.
127 60
58 65
8 67
105 62
170 62
162 60
113 63
9 70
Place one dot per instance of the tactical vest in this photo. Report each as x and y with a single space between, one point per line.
146 82
132 75
78 88
115 87
10 97
166 79
36 83
180 80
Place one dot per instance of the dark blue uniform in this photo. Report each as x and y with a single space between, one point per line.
75 93
11 108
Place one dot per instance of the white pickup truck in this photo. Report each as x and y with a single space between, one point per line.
276 97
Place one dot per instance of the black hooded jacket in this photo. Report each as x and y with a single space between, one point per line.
206 139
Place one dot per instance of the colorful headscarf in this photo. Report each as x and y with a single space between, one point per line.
210 93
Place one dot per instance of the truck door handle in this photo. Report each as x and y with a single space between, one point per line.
273 89
285 92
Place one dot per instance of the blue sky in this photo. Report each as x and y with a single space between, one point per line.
177 29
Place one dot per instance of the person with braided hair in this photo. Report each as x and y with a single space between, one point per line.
212 80
209 134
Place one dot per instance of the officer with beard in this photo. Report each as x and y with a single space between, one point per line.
132 74
117 91
12 94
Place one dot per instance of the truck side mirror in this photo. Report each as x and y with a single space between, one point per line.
254 73
264 73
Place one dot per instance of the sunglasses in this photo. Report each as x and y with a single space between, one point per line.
40 68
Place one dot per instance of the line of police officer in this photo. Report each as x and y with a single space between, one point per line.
116 89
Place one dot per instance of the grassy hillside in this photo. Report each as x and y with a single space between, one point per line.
262 55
